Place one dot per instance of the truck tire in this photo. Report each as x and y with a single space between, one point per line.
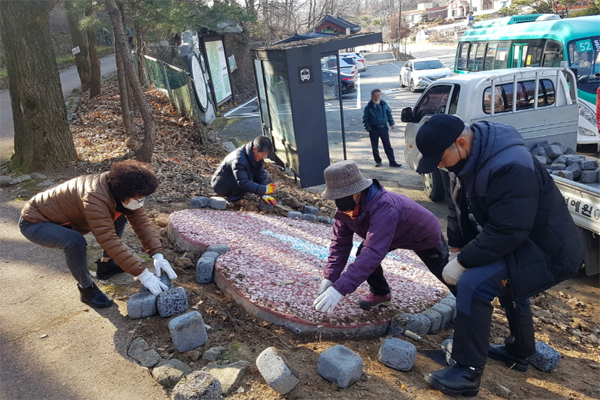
433 186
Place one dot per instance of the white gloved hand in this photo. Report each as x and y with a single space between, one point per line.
453 271
452 256
151 282
327 301
161 264
325 283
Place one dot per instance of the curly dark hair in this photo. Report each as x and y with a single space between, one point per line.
131 178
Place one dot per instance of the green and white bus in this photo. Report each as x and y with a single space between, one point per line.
541 40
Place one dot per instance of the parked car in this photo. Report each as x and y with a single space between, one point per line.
347 64
540 102
422 72
361 63
330 88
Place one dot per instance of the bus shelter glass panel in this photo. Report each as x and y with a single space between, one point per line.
262 97
331 83
280 111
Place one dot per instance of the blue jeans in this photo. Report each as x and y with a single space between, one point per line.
476 289
74 245
383 133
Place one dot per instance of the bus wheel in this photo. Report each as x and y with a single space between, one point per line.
433 185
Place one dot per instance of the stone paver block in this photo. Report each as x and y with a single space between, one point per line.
452 304
435 318
205 267
213 353
557 166
589 164
218 203
323 219
265 206
575 169
398 354
546 358
294 215
220 249
539 150
163 278
575 159
310 210
172 302
564 174
554 151
188 331
447 345
446 312
230 375
273 367
169 372
142 353
198 385
560 160
309 217
228 146
199 202
141 305
416 323
588 176
541 159
340 365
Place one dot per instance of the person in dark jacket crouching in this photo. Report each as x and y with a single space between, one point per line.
510 236
386 221
243 171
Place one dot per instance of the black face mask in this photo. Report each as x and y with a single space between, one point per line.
346 203
459 165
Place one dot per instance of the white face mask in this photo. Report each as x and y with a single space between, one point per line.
135 204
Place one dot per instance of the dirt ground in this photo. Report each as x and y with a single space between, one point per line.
566 316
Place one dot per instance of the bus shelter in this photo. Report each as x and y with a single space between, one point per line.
291 101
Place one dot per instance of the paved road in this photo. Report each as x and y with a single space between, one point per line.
69 80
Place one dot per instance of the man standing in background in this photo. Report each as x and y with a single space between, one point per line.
376 117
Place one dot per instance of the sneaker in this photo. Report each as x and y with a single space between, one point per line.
378 165
395 164
94 297
107 269
372 300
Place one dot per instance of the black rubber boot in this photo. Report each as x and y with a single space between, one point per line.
499 352
107 269
94 297
456 380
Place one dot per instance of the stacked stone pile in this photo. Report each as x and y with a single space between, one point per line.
562 161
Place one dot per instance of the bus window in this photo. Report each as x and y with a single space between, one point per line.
490 56
480 56
501 60
471 63
552 54
534 54
433 102
462 56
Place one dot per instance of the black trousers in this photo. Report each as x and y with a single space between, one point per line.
383 133
435 259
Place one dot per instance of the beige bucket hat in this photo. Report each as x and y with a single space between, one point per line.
344 179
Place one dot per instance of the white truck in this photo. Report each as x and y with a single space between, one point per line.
540 102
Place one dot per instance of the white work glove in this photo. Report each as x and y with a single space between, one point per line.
453 271
452 256
325 283
327 301
161 264
152 282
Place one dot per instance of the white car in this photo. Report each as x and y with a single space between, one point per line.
421 72
347 64
361 63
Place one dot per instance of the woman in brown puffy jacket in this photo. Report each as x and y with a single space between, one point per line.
101 204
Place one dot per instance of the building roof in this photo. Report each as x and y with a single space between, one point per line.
437 9
342 23
304 36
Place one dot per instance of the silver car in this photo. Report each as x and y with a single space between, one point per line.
419 73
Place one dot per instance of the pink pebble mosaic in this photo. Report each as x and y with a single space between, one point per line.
276 263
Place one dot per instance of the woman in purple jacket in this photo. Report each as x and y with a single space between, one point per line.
386 221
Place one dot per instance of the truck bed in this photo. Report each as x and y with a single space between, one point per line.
583 201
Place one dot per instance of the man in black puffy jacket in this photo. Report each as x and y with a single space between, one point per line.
376 117
243 171
510 235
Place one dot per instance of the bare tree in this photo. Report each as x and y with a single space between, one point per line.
79 39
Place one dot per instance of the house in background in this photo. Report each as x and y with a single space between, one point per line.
337 25
459 9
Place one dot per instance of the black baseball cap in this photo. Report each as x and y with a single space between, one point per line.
434 137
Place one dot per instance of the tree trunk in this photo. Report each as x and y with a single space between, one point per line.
79 39
139 53
144 153
42 135
124 93
96 74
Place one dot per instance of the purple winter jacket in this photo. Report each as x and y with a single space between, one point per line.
387 222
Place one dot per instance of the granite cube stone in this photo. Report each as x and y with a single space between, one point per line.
554 151
141 305
446 312
172 302
563 148
309 217
340 365
416 323
575 159
398 354
164 278
198 385
294 215
557 166
205 267
588 176
539 151
569 151
546 358
447 345
200 202
323 219
564 174
265 206
218 203
310 210
273 367
210 254
220 249
188 331
452 304
435 318
575 169
589 165
560 160
541 159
